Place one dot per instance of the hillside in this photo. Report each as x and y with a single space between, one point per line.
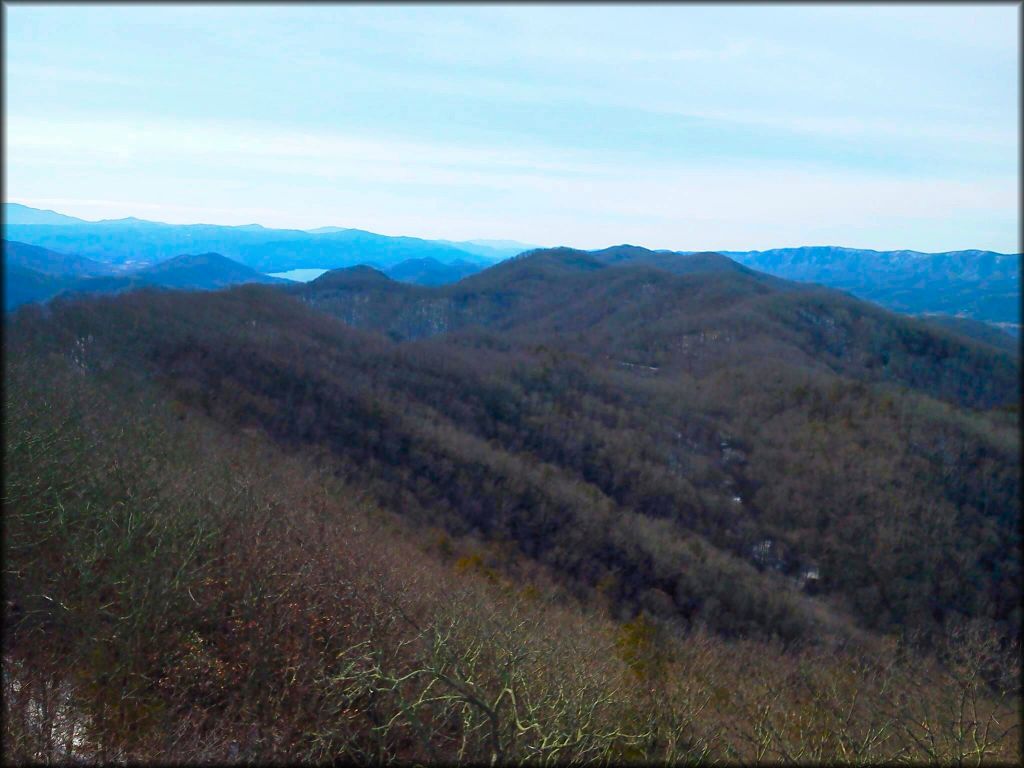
204 272
25 286
377 392
691 403
51 262
207 271
431 271
173 584
981 284
977 331
33 274
708 314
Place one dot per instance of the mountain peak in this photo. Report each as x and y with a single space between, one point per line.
203 270
326 230
360 275
198 259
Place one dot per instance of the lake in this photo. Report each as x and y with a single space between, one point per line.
299 275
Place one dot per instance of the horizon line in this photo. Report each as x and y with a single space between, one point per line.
312 230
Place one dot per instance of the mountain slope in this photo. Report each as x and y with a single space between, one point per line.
431 271
26 286
33 274
708 315
15 213
208 271
638 435
51 262
148 538
977 331
981 284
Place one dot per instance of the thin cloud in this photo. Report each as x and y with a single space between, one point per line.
384 181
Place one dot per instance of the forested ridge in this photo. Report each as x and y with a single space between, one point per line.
689 313
678 457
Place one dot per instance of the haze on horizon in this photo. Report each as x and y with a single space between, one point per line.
682 127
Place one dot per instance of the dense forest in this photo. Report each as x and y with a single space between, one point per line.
610 505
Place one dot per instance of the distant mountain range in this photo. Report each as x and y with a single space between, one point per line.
492 250
34 274
15 213
617 295
982 285
134 241
205 271
29 276
51 262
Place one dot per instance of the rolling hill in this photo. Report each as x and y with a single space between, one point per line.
707 313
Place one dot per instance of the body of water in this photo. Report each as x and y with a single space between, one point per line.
299 275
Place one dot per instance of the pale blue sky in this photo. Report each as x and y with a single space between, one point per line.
678 126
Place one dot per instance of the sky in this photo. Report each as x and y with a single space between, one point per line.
687 127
